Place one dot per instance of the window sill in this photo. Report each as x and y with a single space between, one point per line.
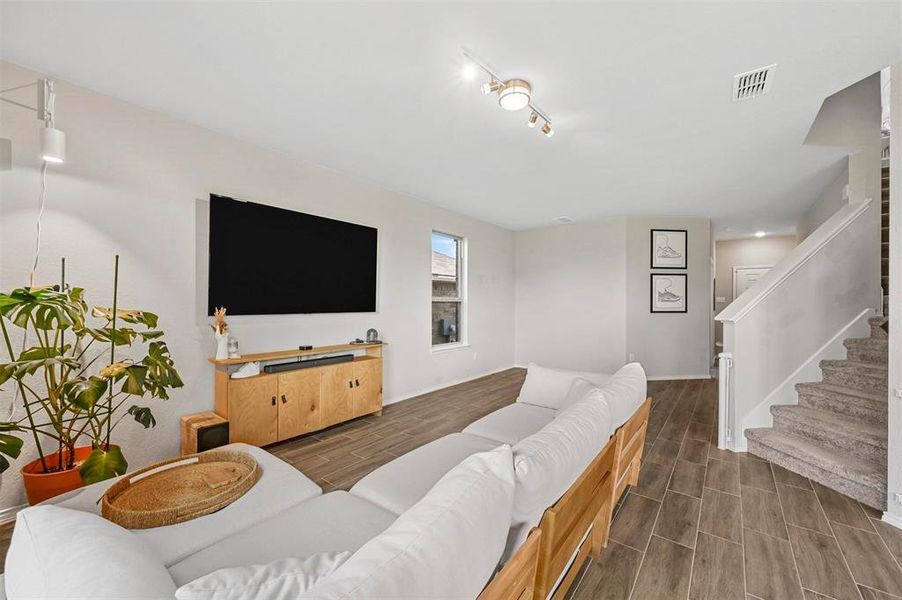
449 347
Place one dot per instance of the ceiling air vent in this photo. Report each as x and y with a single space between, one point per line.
752 84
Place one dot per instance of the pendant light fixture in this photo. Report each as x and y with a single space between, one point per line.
53 141
513 94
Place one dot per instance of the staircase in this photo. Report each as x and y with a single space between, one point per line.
884 237
836 435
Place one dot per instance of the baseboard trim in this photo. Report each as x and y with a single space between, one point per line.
7 515
445 384
680 377
892 520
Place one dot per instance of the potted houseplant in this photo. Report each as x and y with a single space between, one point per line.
75 383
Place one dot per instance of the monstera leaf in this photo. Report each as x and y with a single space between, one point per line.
135 317
83 393
161 373
10 446
142 415
46 308
103 464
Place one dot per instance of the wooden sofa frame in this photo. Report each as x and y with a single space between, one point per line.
578 524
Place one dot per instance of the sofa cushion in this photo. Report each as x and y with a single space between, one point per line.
548 462
512 423
281 486
332 522
60 553
548 387
284 579
625 392
400 484
446 546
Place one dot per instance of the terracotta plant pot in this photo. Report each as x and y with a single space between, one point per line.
40 486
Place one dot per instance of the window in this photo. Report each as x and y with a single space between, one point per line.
448 289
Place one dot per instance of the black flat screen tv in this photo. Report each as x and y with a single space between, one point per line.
266 260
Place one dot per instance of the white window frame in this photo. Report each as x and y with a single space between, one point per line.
461 298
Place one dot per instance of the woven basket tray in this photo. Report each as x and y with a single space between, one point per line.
179 489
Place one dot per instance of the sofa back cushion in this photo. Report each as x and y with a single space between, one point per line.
548 462
548 387
62 553
625 392
285 579
447 545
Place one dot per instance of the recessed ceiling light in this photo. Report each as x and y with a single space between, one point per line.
564 220
760 234
514 95
469 72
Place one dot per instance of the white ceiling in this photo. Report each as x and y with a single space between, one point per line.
639 94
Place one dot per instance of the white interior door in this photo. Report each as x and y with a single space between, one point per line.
745 277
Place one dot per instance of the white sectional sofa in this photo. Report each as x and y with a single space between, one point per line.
285 537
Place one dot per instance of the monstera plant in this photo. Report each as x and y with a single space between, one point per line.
80 373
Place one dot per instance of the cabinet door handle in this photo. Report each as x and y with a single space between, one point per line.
351 384
273 400
357 382
284 400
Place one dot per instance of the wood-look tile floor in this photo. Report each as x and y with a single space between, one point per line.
709 524
702 523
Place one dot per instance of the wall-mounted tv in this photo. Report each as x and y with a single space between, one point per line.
266 260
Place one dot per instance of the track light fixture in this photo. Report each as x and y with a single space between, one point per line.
513 94
53 141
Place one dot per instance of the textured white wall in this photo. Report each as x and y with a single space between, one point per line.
672 344
571 294
131 185
824 206
583 298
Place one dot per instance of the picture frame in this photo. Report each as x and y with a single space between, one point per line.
668 248
668 292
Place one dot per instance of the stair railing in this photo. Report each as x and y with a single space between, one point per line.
773 331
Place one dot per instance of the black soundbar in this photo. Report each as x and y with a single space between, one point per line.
306 364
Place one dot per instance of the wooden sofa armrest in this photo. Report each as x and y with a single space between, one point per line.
517 580
565 525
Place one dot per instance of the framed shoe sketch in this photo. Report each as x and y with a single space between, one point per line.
668 248
668 292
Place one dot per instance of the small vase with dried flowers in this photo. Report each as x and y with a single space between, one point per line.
221 331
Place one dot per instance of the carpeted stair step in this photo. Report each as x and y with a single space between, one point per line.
849 475
842 400
841 433
868 350
876 325
854 374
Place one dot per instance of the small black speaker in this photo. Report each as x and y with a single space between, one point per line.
203 431
212 436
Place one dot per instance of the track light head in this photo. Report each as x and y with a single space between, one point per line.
533 117
547 129
490 87
53 145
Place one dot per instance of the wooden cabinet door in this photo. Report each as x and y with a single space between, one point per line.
299 402
253 414
367 386
337 398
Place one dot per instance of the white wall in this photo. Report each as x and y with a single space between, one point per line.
744 253
669 345
131 186
824 206
571 294
583 298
